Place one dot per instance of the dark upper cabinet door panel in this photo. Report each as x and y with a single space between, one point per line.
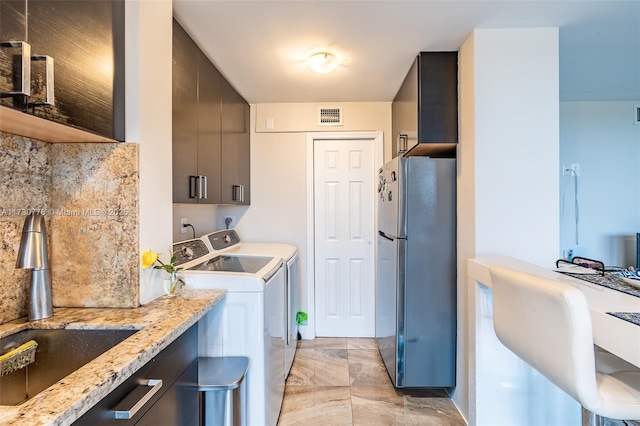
185 113
86 41
404 113
211 135
13 20
235 147
425 109
209 99
196 120
438 97
13 28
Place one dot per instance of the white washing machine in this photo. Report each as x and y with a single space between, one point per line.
289 254
251 319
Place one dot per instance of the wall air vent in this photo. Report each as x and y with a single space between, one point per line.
330 116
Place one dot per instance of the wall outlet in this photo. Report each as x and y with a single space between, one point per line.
575 168
229 221
571 169
183 222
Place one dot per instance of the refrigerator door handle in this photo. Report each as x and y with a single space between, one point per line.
383 235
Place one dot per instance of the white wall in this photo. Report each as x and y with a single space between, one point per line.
303 117
203 217
602 139
507 164
148 32
278 211
466 205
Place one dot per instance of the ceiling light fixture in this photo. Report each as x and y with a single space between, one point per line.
323 62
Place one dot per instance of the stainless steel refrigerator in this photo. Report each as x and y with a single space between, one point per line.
416 276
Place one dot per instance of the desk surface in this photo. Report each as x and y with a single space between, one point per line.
615 335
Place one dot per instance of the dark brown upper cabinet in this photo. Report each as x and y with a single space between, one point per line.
196 123
210 130
235 147
76 63
425 109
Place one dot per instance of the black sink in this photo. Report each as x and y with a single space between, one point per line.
60 352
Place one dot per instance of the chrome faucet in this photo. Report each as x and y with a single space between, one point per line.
33 254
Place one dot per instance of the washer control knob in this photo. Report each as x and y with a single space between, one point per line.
226 239
187 252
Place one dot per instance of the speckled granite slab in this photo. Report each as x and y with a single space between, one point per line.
94 225
160 323
89 193
632 317
25 184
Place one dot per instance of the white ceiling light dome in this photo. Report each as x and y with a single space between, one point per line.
323 62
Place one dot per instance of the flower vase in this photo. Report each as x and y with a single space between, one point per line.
172 284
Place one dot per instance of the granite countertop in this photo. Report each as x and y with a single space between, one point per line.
160 323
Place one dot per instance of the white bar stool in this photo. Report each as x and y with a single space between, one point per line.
548 325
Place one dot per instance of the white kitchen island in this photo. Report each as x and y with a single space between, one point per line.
504 390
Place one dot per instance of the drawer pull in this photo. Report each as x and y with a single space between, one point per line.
154 384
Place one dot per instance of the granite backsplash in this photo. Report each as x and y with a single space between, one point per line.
90 195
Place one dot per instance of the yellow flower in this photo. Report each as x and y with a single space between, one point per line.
149 258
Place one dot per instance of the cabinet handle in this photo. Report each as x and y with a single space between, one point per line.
237 193
198 187
50 97
192 187
25 67
154 384
402 143
205 193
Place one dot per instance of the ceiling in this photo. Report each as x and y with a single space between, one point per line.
260 46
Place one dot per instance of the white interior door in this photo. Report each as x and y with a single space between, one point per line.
344 228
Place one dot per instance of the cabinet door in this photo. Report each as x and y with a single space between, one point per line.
185 113
13 28
404 114
178 405
170 366
209 99
235 147
438 104
86 41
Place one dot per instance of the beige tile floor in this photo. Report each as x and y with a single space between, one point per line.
342 381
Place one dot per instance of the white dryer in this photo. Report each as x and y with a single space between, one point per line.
289 253
250 322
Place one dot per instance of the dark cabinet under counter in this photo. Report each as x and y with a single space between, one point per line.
76 68
174 402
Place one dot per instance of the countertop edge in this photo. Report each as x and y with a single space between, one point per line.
159 323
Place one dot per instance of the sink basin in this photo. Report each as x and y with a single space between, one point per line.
60 352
